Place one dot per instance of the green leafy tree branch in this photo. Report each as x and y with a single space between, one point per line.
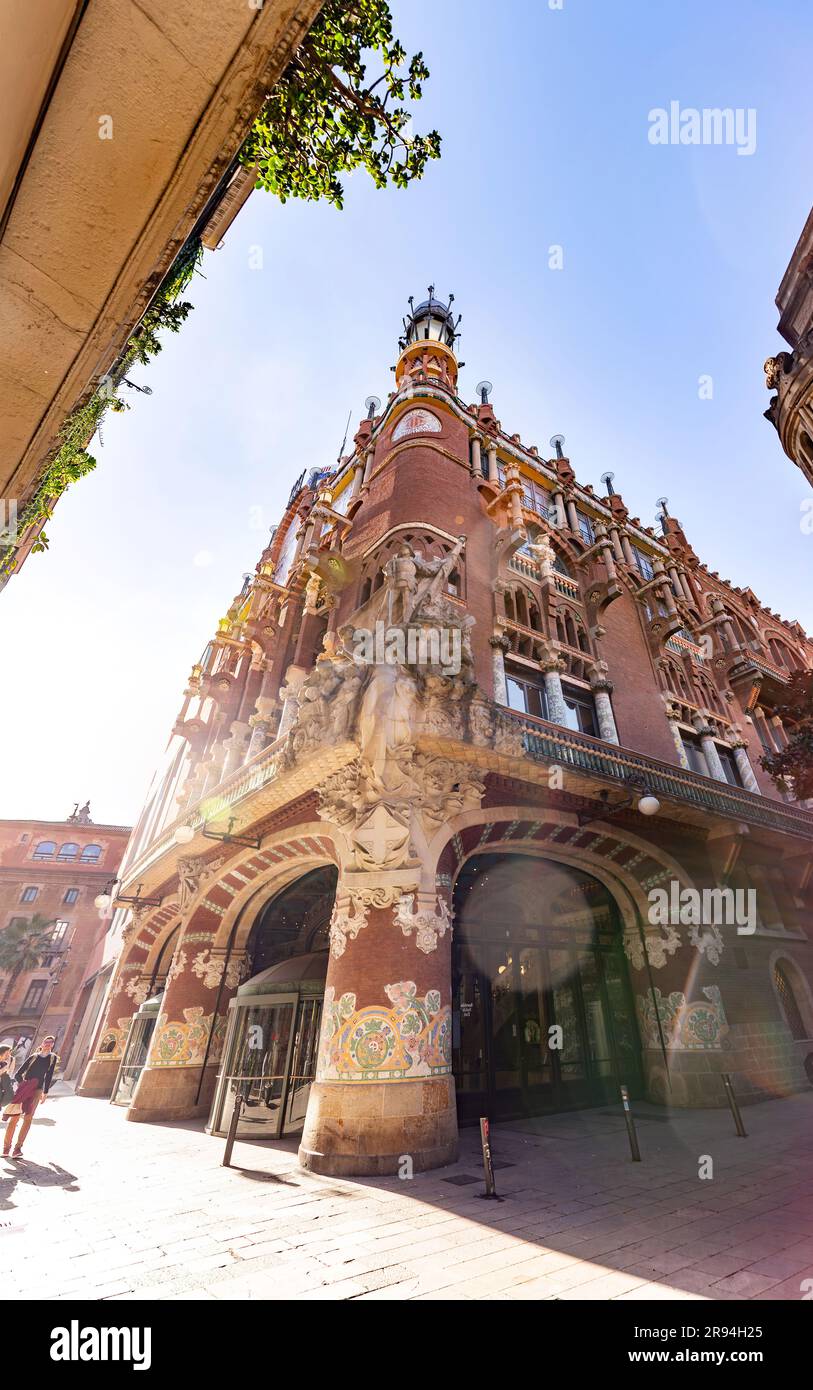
324 117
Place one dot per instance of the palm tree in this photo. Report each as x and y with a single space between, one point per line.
22 947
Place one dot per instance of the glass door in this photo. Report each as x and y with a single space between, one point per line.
506 1083
257 1059
303 1064
536 1058
135 1055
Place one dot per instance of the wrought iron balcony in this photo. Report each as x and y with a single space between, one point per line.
550 743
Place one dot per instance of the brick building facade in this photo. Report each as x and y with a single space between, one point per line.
50 873
463 812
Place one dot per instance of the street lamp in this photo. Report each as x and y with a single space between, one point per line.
105 898
184 835
646 803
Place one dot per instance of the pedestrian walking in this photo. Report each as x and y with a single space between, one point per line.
33 1082
6 1073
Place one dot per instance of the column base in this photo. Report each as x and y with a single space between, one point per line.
371 1128
171 1093
99 1078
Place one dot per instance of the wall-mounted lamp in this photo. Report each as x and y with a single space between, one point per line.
104 899
226 836
640 796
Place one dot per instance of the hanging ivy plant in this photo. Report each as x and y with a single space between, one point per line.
72 460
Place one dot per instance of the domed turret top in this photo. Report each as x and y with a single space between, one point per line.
430 321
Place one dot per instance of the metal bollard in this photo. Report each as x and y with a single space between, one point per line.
488 1162
630 1123
735 1109
232 1134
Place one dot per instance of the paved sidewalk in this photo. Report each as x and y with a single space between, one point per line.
105 1209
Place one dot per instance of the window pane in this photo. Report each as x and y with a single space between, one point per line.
516 695
694 755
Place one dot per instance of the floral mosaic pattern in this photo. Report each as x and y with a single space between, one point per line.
697 1027
184 1044
407 1041
111 1043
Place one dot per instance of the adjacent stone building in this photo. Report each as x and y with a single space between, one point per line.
50 875
790 374
463 812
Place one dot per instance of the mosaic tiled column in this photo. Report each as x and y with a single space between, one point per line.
499 646
706 735
744 767
673 716
552 666
384 1101
179 1075
602 687
128 989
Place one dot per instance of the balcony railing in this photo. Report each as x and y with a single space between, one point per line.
552 744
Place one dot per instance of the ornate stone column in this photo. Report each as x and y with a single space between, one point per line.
383 1100
606 547
236 746
476 461
552 665
686 586
179 1075
262 722
673 716
706 735
740 750
358 478
499 646
559 508
602 690
493 475
213 767
572 518
665 591
369 459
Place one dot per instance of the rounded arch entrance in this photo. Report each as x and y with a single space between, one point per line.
274 1019
544 1016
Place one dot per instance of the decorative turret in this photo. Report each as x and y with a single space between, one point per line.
427 344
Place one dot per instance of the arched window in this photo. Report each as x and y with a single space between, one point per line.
91 854
68 851
788 1000
46 849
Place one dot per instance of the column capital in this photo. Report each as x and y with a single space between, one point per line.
597 674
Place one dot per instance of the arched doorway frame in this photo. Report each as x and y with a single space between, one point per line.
628 889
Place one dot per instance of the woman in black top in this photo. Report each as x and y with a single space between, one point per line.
33 1081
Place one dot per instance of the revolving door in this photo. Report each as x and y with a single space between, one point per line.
271 1048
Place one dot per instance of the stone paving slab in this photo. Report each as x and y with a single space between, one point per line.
107 1210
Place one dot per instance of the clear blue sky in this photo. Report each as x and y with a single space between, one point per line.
672 258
